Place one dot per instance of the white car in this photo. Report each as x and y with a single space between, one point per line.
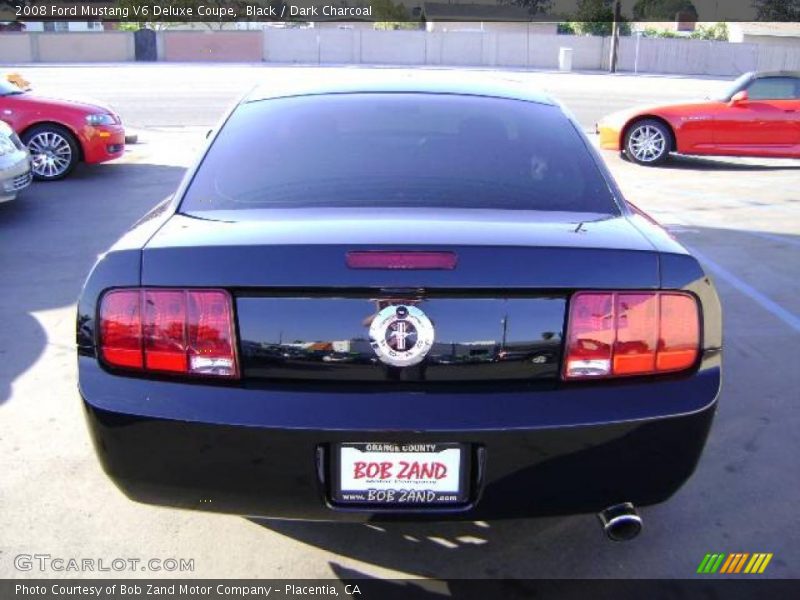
15 164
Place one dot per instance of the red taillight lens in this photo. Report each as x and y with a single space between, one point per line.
678 343
614 334
637 330
172 331
210 334
590 339
164 330
121 329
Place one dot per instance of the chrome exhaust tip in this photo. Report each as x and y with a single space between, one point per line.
620 522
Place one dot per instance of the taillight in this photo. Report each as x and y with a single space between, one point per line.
679 339
187 332
121 329
164 331
615 334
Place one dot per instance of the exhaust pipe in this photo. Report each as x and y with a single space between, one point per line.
620 522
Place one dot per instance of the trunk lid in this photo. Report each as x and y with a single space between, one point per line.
303 314
307 248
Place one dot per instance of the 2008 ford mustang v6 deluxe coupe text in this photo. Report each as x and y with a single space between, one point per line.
399 295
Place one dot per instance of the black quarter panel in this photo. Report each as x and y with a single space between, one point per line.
120 266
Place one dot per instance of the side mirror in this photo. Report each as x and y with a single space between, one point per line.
739 97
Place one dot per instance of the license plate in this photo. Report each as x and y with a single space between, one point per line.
400 473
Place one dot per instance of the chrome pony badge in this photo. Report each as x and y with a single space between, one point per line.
401 335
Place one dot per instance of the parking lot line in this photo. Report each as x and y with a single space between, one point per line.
773 307
775 238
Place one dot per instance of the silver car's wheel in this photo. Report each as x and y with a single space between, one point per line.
53 152
648 142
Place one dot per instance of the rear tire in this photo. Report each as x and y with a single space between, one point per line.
54 151
648 142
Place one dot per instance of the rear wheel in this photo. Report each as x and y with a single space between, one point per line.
54 151
648 142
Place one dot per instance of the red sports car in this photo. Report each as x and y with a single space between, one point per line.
60 133
759 115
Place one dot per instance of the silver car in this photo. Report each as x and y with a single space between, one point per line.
15 164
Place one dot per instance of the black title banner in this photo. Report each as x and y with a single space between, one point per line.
177 11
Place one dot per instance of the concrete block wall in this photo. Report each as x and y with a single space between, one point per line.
511 49
300 46
67 47
775 57
211 46
587 51
516 48
686 57
108 46
385 48
16 48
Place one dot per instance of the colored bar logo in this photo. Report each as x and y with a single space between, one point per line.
734 563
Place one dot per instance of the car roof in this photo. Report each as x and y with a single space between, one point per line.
315 81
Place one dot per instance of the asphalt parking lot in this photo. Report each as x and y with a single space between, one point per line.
741 217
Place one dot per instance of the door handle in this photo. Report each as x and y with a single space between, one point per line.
790 110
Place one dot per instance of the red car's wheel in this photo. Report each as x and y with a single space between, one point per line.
648 142
54 151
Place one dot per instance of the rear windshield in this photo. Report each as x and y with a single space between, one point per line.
398 150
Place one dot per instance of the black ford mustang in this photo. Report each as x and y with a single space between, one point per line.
399 295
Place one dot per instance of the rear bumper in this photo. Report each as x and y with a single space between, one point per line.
609 136
276 460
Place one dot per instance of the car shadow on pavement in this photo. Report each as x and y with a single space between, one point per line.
507 589
678 161
50 236
447 549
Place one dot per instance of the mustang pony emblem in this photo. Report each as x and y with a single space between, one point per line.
401 335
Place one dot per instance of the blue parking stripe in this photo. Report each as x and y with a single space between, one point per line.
776 238
788 317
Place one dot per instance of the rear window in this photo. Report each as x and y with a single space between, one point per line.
399 150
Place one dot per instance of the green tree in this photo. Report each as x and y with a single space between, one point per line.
535 7
662 10
567 28
652 32
389 15
717 32
596 17
8 9
777 10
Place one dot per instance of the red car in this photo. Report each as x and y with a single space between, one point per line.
759 115
60 133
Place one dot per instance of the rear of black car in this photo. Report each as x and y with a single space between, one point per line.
405 302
